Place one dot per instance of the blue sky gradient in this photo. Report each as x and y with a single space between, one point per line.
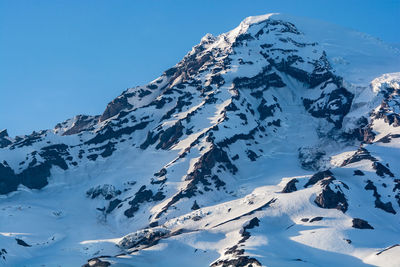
63 58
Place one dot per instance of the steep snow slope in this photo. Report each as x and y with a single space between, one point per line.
275 144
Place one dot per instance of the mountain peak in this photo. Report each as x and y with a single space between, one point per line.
257 19
3 133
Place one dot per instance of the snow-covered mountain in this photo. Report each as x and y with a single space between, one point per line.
275 144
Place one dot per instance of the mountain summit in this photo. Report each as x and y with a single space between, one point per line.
275 144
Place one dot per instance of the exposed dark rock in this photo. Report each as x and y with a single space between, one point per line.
276 123
361 224
3 253
92 157
36 177
217 182
160 102
347 240
153 224
170 136
201 174
143 195
363 132
321 73
231 107
252 223
361 154
160 180
54 155
112 205
145 238
158 196
263 80
378 202
80 123
196 218
328 199
251 155
4 140
243 261
381 170
160 177
8 180
386 249
107 191
257 94
285 26
265 46
161 173
170 71
318 177
183 101
239 41
195 206
22 242
192 64
265 110
242 62
166 138
358 173
387 113
290 186
316 219
228 141
208 161
385 206
108 132
388 138
397 188
97 262
389 106
243 117
332 107
143 93
152 86
109 148
150 140
237 254
114 107
217 80
27 140
3 133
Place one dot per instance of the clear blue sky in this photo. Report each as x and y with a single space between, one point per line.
62 58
